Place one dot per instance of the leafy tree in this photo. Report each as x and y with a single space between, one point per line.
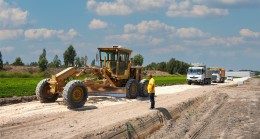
6 63
184 67
56 62
78 62
93 62
170 66
18 62
162 66
43 62
1 61
152 66
138 60
69 56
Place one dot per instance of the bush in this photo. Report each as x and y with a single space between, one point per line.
21 75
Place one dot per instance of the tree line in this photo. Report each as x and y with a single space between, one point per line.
69 58
173 66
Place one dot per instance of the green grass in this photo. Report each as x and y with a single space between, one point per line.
26 86
18 86
170 80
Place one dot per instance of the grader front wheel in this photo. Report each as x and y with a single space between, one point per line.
132 89
43 92
75 94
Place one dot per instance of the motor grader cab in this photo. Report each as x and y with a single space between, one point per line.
114 71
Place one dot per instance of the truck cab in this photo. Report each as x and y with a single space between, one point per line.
218 75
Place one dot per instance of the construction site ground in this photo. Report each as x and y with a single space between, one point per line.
229 110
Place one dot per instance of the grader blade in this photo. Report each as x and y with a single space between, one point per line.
106 90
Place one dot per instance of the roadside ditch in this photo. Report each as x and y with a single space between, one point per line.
143 126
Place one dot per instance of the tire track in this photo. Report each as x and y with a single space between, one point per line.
199 131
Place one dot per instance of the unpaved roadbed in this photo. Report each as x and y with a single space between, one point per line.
99 117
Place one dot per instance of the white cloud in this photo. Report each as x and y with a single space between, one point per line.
127 37
228 1
72 33
91 4
148 32
249 33
156 41
124 7
176 8
149 26
109 8
136 38
187 9
44 33
141 5
10 16
41 33
97 24
179 48
201 10
151 32
10 34
236 2
217 41
190 33
7 49
184 8
155 27
129 28
170 49
225 3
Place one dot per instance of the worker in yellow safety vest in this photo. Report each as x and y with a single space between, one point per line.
151 90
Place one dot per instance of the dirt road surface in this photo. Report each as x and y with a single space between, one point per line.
232 114
218 111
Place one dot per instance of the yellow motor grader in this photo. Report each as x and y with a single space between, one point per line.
115 71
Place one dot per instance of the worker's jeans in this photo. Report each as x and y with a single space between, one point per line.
152 100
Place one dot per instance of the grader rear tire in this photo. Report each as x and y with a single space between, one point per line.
43 92
143 88
132 89
75 94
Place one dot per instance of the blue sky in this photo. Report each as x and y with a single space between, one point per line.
223 33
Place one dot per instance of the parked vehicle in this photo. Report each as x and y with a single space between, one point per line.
230 78
198 73
218 75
